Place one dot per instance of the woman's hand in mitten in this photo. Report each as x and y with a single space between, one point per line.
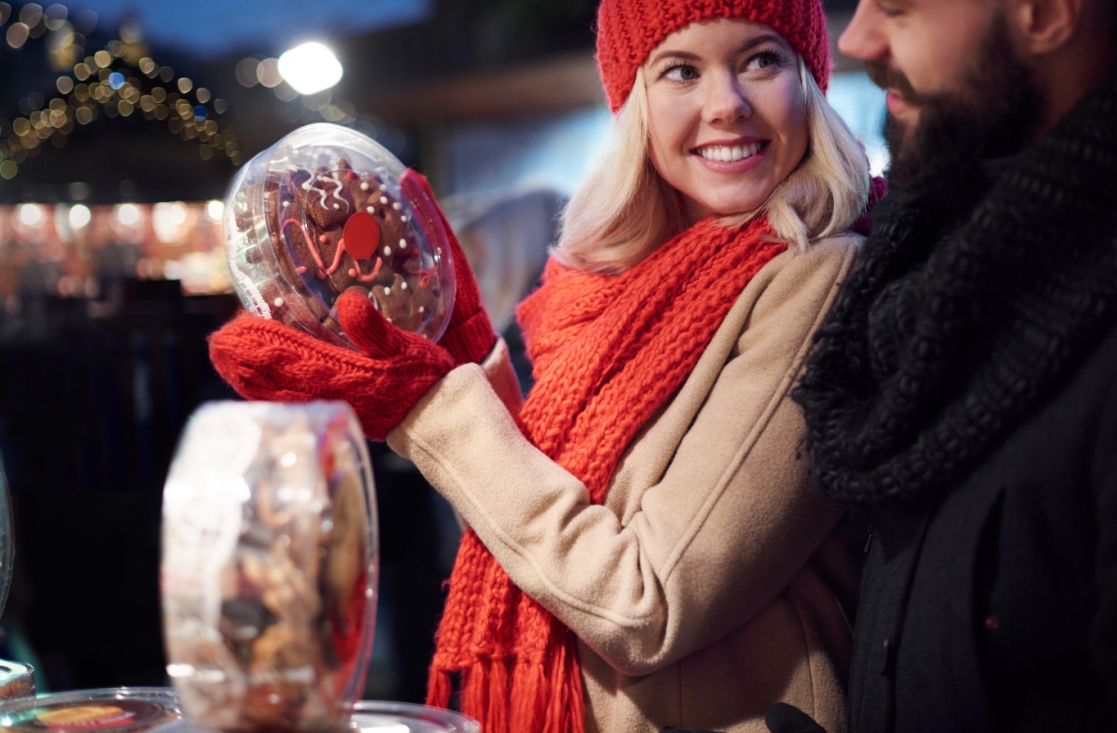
266 360
469 336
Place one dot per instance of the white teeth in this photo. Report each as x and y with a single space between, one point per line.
730 154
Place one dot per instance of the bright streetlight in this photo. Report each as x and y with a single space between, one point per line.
310 68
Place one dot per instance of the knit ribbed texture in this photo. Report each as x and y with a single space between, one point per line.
629 30
941 343
469 335
266 360
608 351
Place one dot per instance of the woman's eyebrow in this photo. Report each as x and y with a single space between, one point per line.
745 47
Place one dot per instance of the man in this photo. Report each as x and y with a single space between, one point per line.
963 392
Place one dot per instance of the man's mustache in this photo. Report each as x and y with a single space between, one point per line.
887 77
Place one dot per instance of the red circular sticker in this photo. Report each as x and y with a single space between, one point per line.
362 234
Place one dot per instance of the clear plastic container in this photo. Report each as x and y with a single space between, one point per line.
269 566
121 710
400 717
16 680
375 716
327 209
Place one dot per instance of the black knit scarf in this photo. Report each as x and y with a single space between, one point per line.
959 322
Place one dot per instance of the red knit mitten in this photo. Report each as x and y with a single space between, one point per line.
267 360
469 337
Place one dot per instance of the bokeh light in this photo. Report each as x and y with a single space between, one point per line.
30 215
128 214
268 73
310 68
80 215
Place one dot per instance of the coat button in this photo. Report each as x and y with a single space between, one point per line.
885 655
992 623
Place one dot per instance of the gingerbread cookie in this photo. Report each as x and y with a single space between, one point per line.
323 212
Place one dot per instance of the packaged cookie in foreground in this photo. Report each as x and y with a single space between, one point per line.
325 210
122 710
269 565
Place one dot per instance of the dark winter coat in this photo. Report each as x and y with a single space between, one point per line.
982 609
963 391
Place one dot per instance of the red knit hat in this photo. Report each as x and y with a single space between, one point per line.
629 30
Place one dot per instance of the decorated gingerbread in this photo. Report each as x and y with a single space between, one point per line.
322 212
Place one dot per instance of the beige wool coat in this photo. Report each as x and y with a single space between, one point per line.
702 591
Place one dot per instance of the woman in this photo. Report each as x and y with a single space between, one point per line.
644 547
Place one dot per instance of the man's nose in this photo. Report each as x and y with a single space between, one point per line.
864 38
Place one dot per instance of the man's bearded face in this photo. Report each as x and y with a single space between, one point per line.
992 112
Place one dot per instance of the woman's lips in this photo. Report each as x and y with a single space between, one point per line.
735 158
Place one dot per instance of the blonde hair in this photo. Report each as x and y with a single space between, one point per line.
625 209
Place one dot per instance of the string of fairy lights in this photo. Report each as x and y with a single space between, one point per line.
118 80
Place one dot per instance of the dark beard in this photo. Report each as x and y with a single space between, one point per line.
994 114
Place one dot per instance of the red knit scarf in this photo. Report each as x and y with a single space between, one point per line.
607 352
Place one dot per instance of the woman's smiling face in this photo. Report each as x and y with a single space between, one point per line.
727 115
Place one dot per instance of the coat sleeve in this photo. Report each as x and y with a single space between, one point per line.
722 532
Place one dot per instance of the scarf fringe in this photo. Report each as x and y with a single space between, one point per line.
528 698
498 696
439 688
475 691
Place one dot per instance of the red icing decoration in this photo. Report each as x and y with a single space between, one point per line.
362 234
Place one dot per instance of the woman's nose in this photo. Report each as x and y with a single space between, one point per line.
725 101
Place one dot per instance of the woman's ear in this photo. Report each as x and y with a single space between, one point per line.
1041 27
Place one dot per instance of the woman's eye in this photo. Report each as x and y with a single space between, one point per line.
763 60
683 72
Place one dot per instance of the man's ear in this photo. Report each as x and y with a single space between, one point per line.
1040 27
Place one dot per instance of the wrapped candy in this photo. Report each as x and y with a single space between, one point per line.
325 210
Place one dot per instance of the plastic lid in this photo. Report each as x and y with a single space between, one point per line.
400 717
380 717
327 209
269 565
121 710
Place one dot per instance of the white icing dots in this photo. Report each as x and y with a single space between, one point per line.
403 244
403 218
383 187
422 309
364 185
387 290
387 251
396 206
336 206
383 199
370 210
403 286
277 302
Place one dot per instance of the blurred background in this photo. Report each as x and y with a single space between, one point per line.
121 125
